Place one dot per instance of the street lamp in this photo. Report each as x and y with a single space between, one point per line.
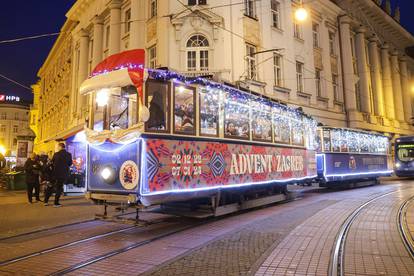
301 14
2 150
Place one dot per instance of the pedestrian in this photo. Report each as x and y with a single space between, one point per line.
32 170
61 162
46 170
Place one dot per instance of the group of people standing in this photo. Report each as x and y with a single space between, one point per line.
51 171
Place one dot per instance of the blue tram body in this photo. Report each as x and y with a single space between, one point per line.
167 138
347 155
404 156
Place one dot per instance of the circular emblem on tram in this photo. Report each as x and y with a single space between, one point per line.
128 175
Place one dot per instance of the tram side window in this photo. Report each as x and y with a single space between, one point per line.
281 126
209 110
261 121
336 141
297 133
326 140
184 99
236 117
157 102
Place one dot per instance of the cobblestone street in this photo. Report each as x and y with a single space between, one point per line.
292 238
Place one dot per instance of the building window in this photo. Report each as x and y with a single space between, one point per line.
197 2
332 43
251 62
318 82
16 116
2 128
315 35
14 142
335 88
152 57
275 8
277 67
297 31
3 116
299 76
197 53
250 8
15 129
127 22
33 119
153 8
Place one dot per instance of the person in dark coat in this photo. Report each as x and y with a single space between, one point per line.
61 162
156 119
32 170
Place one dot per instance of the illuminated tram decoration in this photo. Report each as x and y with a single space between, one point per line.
346 155
156 136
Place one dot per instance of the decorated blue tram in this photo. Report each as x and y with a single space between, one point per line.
156 137
351 156
404 156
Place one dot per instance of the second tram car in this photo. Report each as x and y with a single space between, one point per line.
155 136
346 156
404 156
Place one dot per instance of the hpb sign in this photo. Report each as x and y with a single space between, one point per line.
9 98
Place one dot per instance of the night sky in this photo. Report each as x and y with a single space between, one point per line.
21 61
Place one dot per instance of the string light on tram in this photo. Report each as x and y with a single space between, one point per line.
358 142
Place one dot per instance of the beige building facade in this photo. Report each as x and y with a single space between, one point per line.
344 65
14 123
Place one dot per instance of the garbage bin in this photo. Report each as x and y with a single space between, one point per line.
16 181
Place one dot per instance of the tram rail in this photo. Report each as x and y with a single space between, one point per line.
124 249
337 258
403 227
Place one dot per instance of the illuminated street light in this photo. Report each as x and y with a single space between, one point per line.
102 97
301 14
2 150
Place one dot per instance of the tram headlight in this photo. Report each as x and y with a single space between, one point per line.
108 174
397 165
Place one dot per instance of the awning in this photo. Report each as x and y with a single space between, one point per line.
117 78
66 134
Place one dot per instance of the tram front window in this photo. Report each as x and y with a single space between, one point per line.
405 153
115 108
157 102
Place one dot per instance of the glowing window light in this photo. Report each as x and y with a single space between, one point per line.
102 97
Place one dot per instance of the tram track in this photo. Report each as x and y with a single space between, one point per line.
62 246
68 244
338 254
403 227
124 249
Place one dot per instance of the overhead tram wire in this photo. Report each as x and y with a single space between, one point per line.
264 49
29 38
15 82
